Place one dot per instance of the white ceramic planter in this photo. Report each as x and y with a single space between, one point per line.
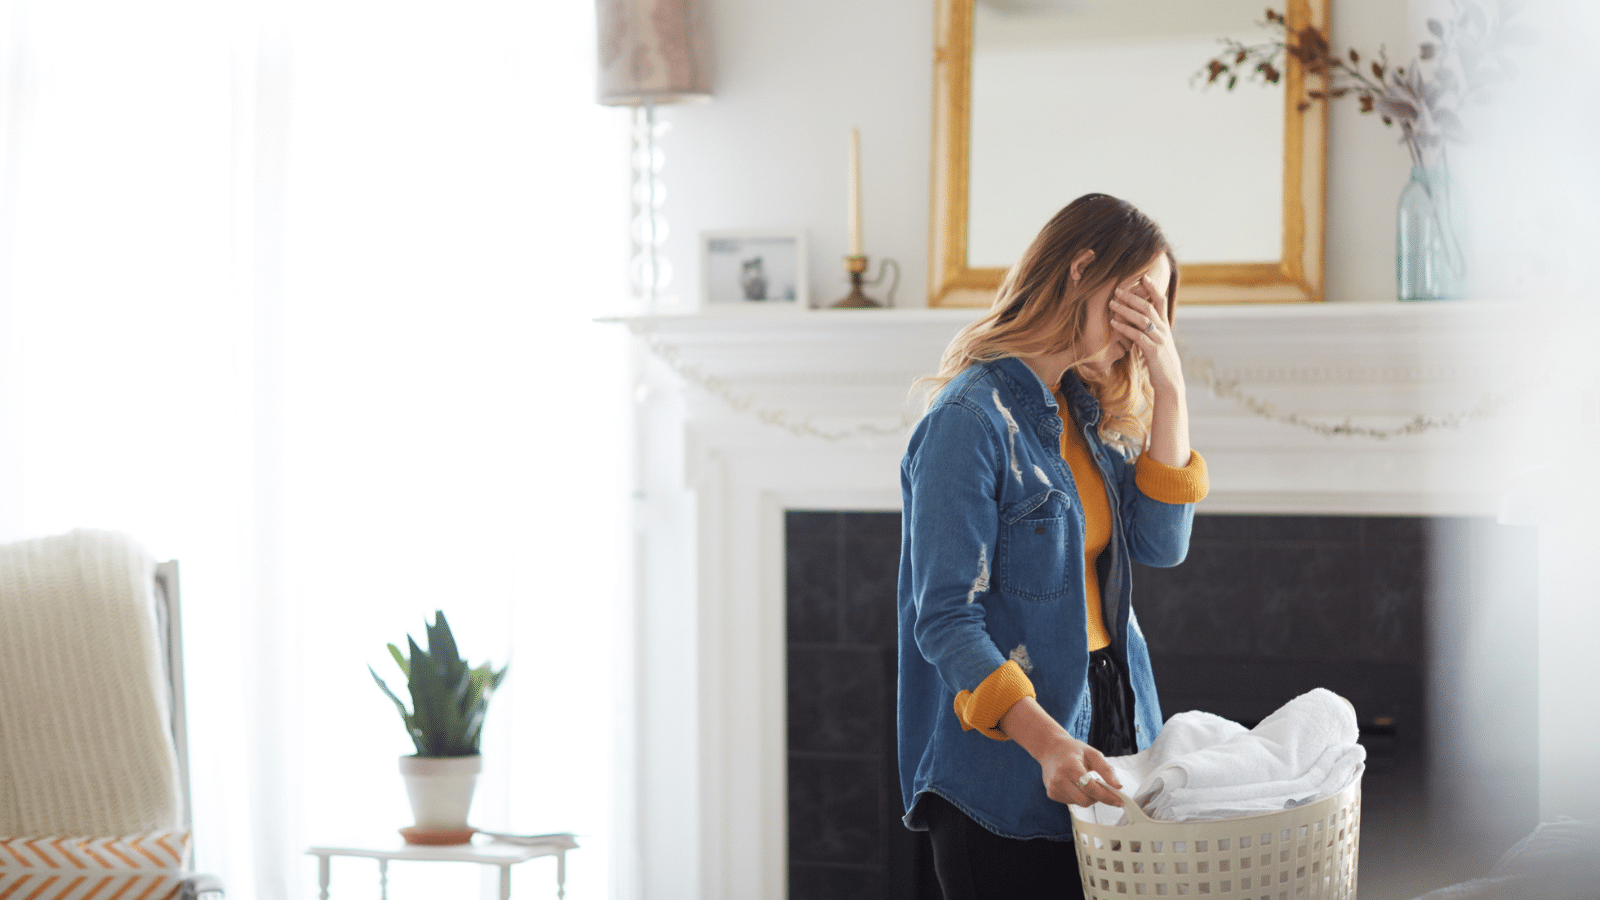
440 789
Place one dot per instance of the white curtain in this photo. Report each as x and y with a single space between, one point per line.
301 294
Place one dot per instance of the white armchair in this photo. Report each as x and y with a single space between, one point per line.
94 787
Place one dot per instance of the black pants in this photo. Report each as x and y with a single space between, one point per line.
974 863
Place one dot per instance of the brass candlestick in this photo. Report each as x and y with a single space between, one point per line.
856 266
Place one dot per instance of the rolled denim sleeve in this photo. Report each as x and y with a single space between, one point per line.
951 475
1158 532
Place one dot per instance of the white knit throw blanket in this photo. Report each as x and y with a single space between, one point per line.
84 742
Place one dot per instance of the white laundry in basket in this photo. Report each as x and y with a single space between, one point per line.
1205 767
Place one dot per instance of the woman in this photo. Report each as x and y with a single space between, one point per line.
1054 453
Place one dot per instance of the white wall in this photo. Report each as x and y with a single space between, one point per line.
1535 192
771 150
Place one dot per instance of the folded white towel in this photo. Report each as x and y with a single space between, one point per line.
1304 751
1203 766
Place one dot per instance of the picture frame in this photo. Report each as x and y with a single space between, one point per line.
753 270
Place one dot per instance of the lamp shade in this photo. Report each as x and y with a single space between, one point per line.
651 51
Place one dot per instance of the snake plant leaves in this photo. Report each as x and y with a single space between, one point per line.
449 700
399 659
442 644
404 716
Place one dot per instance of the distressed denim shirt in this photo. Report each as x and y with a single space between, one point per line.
992 561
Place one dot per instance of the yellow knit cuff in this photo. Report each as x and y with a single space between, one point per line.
1168 484
983 707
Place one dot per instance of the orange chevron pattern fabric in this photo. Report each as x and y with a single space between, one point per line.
135 867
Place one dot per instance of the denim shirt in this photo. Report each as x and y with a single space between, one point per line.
991 568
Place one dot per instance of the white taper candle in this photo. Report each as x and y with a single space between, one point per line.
855 192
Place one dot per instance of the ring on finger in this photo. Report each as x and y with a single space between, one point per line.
1084 781
1150 327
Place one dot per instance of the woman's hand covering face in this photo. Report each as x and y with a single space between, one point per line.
1138 316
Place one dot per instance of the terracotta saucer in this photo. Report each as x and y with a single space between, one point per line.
415 834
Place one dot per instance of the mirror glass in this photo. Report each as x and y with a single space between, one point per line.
1073 96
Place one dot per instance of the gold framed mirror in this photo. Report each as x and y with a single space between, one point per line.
1257 236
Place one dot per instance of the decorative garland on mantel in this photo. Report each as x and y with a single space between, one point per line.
1204 369
777 418
1228 389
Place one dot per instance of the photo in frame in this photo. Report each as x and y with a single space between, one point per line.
753 270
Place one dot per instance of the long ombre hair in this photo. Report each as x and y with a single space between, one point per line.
1039 310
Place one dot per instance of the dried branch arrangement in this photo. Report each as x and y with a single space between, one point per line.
1463 62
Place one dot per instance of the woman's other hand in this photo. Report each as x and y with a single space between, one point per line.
1065 761
1069 769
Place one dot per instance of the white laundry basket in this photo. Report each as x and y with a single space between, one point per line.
1304 853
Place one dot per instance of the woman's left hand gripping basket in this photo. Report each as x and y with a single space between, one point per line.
1303 853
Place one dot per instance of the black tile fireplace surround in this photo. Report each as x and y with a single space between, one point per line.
1264 608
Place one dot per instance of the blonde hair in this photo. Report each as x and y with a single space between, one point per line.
1040 310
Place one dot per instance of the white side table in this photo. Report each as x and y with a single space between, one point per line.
484 851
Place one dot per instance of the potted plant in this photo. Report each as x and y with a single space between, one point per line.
448 703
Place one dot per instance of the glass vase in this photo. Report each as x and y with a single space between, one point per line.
1429 261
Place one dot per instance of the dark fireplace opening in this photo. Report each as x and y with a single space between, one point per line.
845 837
1268 607
1264 608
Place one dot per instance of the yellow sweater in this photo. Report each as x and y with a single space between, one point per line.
983 707
1096 519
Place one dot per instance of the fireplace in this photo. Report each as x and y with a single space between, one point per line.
752 421
1265 608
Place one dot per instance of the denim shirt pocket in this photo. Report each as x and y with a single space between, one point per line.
1032 561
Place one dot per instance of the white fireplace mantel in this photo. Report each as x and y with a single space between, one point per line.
1375 365
729 415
